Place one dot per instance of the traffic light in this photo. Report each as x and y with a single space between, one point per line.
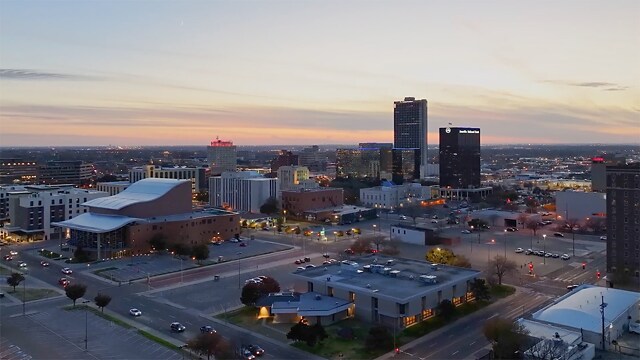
598 275
584 266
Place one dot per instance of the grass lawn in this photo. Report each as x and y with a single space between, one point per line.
500 291
99 313
30 294
245 316
50 254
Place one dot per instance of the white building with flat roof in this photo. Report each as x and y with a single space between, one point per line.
243 191
195 174
291 177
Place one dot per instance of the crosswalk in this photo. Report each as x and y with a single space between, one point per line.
10 351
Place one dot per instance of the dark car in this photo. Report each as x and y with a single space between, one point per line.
326 255
349 251
243 244
8 257
307 259
256 350
558 234
177 327
207 329
512 229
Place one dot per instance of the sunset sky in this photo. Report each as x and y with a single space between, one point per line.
316 72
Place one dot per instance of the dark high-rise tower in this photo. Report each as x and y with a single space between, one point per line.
459 157
410 128
623 222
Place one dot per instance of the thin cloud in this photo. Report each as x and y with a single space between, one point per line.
606 86
26 74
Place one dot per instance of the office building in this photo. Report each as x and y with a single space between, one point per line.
242 191
5 192
197 175
406 165
75 172
34 208
113 187
292 177
299 202
623 223
18 171
459 157
410 129
221 156
369 160
313 158
284 158
599 170
390 196
390 291
123 224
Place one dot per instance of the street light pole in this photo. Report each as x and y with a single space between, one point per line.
24 294
86 326
240 253
505 243
544 247
181 270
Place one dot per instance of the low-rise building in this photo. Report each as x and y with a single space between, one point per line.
197 175
390 196
124 224
298 202
34 208
18 171
59 172
391 291
579 205
411 234
113 187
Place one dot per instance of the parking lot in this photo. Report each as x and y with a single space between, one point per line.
139 267
60 334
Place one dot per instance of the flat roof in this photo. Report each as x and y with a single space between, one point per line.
580 309
190 215
402 279
140 191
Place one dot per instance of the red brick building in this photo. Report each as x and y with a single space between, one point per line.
297 202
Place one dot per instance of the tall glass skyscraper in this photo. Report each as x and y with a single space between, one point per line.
459 157
410 128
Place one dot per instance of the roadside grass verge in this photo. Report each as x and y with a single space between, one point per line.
501 291
50 254
29 294
99 313
158 340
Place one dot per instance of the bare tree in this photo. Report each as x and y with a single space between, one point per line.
500 266
598 224
493 217
377 240
522 219
413 210
391 249
548 349
533 225
361 245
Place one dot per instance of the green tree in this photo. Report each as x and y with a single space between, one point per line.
211 344
500 266
200 252
14 280
480 289
507 337
446 309
270 206
75 292
102 300
309 334
379 338
298 332
158 242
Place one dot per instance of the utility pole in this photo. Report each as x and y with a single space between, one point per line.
602 306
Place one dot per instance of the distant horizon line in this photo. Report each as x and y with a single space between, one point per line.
301 145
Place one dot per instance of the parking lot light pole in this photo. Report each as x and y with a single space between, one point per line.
181 270
86 327
544 247
505 243
240 253
24 294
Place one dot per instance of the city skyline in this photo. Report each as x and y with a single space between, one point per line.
262 73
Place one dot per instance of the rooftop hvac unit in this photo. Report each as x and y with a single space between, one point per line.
390 262
394 273
428 279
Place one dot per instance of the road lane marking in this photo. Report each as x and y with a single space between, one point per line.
455 353
472 343
492 316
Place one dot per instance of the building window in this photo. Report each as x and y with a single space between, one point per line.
409 320
330 291
352 296
439 296
309 286
374 302
402 309
427 313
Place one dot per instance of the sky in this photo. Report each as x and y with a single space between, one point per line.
265 72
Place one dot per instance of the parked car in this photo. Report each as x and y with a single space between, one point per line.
300 268
234 240
309 266
466 232
8 257
528 252
555 256
326 255
177 327
558 234
565 257
571 287
13 253
44 263
298 261
255 350
307 259
22 264
519 250
135 312
512 229
402 217
548 255
603 238
349 251
63 281
247 355
207 329
434 221
67 271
